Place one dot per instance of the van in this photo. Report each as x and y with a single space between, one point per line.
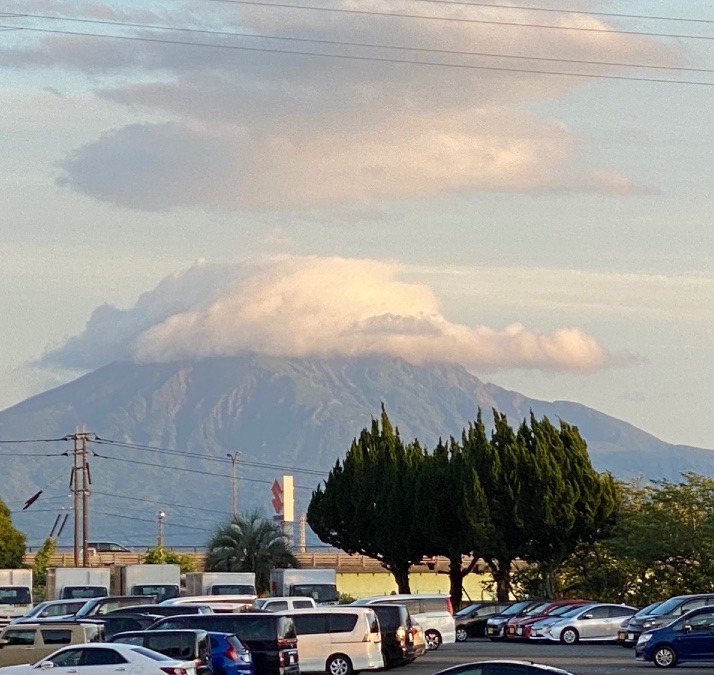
181 645
396 628
432 611
337 640
270 637
666 612
284 603
28 643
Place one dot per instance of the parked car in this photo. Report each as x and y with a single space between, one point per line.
598 622
432 611
126 621
90 659
162 610
522 627
669 610
182 645
282 604
338 640
622 635
269 636
229 655
50 609
503 667
470 621
496 625
536 630
98 606
27 643
397 638
689 638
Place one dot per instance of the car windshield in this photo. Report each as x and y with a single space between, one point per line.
15 595
574 611
467 610
151 654
667 607
537 609
648 610
516 607
562 610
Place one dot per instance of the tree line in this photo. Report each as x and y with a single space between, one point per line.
527 493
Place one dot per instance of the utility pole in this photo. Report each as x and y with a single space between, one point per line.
160 539
303 538
79 482
234 487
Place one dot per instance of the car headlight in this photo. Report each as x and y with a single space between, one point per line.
645 637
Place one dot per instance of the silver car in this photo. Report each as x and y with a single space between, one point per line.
597 622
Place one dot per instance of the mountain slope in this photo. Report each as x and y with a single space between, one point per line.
297 413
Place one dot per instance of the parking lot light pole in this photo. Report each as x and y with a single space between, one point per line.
233 456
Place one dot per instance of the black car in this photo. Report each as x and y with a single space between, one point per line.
96 607
270 637
471 620
121 622
503 668
397 637
496 624
182 645
163 610
664 613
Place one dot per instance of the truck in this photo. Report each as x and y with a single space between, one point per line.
75 583
160 581
318 584
222 583
15 593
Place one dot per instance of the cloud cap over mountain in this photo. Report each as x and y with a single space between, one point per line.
311 306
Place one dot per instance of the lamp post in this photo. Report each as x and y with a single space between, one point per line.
160 540
233 456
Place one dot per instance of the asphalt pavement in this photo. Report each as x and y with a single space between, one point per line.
585 659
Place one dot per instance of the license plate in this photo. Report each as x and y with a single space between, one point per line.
519 630
490 630
622 636
630 636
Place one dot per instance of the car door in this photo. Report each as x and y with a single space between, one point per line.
695 638
19 646
593 624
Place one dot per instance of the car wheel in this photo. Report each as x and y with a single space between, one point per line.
339 664
461 635
433 639
665 657
569 636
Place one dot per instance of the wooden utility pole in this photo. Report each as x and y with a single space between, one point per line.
80 481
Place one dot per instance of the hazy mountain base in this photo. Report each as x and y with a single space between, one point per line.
299 413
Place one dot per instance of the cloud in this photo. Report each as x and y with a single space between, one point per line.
239 128
312 307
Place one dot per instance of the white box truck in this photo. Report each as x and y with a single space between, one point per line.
222 583
15 594
161 581
70 583
318 584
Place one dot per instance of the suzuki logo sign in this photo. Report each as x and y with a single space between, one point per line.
277 497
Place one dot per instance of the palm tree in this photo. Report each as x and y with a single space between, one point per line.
250 543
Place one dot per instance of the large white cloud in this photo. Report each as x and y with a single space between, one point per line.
270 130
310 306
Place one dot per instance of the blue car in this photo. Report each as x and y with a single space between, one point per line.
229 655
688 638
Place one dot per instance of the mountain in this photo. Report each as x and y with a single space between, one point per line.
294 416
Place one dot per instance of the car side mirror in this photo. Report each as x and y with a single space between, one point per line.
46 665
587 616
687 627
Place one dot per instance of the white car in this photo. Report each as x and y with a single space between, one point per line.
100 658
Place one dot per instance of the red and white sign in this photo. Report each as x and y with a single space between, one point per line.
277 500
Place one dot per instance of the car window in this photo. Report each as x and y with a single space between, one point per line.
20 637
310 624
342 623
434 605
277 606
301 604
52 636
156 656
689 605
621 611
67 658
130 640
701 622
597 613
488 610
101 657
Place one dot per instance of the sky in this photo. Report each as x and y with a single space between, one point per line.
200 178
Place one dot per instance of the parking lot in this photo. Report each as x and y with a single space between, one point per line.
587 659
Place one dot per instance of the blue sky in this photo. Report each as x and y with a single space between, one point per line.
551 233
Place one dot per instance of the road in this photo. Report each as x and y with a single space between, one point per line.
586 659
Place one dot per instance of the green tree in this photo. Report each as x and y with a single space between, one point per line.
12 541
160 555
451 507
250 543
569 503
42 561
367 502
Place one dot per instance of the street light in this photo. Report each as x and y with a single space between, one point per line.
160 541
234 488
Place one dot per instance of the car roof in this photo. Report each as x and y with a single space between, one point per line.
541 666
325 608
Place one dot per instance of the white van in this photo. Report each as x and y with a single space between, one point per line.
433 612
285 603
338 640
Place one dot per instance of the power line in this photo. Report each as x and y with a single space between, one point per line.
146 520
34 440
158 502
368 45
375 59
364 12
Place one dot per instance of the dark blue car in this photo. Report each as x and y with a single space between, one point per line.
688 638
229 655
